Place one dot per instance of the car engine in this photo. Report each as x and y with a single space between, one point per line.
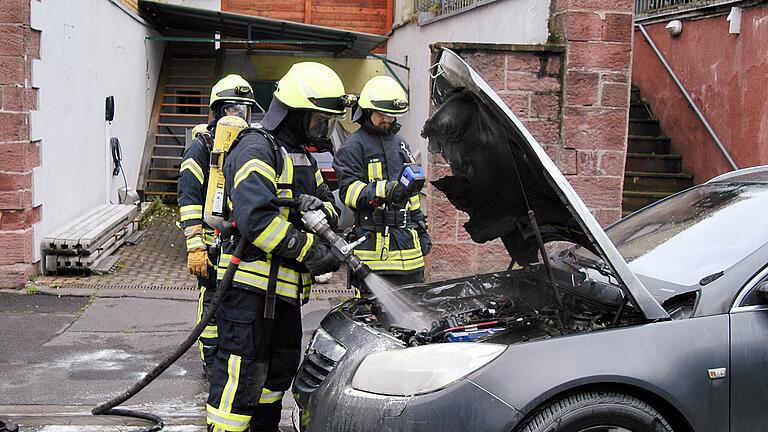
505 307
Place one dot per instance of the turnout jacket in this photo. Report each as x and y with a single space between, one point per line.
364 164
256 175
193 185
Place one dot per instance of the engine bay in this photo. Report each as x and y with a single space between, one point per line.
505 307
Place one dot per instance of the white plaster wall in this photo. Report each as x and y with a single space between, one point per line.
504 21
89 49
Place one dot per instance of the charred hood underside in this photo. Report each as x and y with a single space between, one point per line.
494 178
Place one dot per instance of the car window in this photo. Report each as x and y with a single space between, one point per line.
695 234
754 298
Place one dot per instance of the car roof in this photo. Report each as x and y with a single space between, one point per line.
757 174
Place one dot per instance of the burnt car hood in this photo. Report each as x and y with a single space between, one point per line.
499 174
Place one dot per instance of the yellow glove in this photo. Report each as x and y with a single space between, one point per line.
198 262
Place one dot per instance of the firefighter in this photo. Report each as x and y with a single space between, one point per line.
259 317
367 166
232 95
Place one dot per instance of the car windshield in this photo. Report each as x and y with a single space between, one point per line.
698 233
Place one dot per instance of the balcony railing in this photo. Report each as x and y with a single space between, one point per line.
646 6
430 9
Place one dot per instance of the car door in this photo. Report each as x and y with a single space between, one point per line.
749 358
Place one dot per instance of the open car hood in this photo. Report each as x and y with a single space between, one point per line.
499 172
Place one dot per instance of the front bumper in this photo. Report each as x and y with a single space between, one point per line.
333 405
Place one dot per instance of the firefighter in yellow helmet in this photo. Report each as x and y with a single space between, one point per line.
259 318
368 166
232 95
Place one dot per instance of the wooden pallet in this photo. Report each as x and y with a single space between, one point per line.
85 242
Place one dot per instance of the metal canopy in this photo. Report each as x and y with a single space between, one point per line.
181 21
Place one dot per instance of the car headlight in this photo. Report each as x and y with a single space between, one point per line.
422 369
325 344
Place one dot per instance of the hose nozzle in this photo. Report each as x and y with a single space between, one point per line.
316 222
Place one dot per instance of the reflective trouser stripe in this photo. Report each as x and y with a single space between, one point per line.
226 421
223 417
269 396
189 212
353 193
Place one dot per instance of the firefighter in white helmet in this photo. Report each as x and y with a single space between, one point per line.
232 95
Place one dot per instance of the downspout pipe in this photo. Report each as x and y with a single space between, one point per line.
693 105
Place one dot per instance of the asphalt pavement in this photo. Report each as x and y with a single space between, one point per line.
66 350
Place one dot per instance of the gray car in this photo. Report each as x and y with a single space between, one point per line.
658 323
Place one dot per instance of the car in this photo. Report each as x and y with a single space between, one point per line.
658 323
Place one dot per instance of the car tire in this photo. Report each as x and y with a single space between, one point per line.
590 410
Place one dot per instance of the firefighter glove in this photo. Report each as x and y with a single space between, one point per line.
396 195
321 260
198 262
309 202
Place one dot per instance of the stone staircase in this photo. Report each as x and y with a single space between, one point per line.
181 103
651 171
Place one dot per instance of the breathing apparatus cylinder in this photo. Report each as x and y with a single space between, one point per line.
227 130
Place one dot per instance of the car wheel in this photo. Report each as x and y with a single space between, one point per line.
597 412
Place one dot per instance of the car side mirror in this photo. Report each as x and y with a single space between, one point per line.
762 291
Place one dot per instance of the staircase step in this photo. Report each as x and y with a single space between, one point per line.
181 125
173 158
657 182
167 104
163 181
188 95
647 127
162 114
171 146
648 144
161 135
639 111
634 200
645 162
163 169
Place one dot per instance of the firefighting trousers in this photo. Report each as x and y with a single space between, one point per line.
208 340
246 389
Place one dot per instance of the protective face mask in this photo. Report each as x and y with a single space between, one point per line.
318 127
239 110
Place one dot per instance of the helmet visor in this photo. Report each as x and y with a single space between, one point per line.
239 110
319 125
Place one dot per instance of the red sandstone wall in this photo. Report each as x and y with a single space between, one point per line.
575 103
726 77
18 46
